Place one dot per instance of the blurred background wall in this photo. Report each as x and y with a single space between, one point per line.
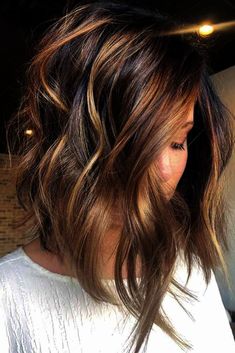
224 82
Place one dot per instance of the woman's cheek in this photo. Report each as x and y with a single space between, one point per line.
184 162
180 166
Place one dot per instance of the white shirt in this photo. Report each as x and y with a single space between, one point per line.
45 312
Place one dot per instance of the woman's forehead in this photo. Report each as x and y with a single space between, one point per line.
191 114
189 119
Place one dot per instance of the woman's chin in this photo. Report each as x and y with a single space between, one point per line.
169 192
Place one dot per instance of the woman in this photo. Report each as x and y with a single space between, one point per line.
122 178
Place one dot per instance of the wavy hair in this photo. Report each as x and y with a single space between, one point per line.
108 88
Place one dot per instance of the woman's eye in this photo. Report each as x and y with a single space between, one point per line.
178 146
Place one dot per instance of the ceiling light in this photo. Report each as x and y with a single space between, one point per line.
205 30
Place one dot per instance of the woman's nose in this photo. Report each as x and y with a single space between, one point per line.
164 165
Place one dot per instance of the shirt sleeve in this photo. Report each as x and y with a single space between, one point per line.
212 328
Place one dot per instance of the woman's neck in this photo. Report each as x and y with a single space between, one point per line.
52 263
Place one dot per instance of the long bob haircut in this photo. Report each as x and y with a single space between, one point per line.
107 90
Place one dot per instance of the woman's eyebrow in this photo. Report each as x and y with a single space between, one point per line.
187 124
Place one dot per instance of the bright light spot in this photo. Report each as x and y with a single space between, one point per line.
28 132
205 30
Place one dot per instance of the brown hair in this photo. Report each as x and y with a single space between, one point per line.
108 88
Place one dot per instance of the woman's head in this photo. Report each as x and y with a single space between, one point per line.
109 93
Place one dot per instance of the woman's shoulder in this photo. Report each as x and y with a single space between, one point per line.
195 279
9 262
11 272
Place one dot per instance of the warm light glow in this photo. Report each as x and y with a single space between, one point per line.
202 29
29 132
205 30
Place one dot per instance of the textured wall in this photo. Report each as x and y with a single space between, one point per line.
10 211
